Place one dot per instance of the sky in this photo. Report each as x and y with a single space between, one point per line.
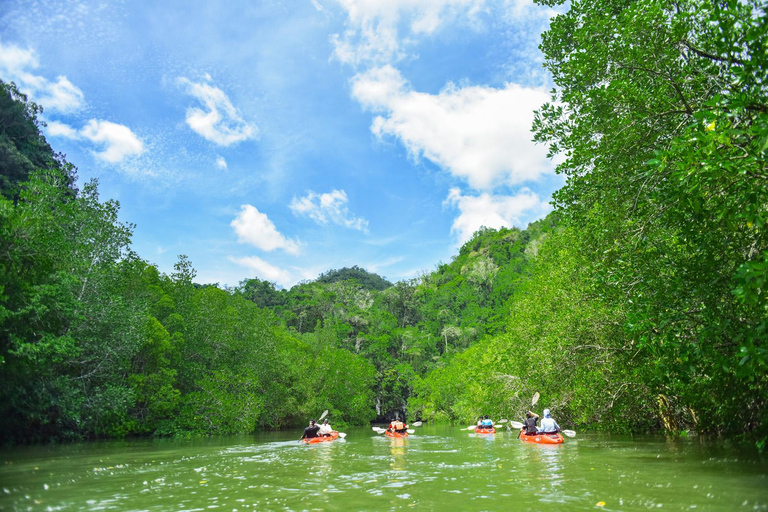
281 139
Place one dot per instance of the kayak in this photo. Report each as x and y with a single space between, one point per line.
555 438
396 434
322 439
479 430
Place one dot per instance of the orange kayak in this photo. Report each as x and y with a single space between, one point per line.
396 434
479 430
555 438
322 439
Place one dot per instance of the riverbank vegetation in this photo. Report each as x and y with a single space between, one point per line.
638 305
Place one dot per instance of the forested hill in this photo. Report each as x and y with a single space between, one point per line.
410 328
640 305
366 279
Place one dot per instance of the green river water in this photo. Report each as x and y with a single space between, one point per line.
438 468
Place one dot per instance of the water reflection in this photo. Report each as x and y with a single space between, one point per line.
544 471
397 448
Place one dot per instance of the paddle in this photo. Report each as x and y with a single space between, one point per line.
569 433
379 430
533 402
325 413
416 424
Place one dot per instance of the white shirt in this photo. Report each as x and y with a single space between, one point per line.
325 428
548 425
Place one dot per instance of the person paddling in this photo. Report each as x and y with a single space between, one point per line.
486 422
548 424
325 428
529 425
311 431
397 426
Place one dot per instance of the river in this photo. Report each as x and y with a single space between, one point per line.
438 468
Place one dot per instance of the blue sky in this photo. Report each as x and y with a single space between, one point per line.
279 140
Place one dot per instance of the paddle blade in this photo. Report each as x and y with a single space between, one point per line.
378 430
325 413
471 427
417 424
515 424
535 399
502 421
410 431
342 435
569 433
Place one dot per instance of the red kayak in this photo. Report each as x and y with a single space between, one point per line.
554 438
322 439
479 430
396 434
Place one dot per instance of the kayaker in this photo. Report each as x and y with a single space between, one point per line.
310 431
397 426
325 428
548 424
486 422
529 425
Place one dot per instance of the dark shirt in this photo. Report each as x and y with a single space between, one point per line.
530 425
310 432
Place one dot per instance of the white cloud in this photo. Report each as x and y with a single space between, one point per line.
266 271
329 207
59 129
221 163
372 35
317 5
493 211
62 96
16 64
255 228
219 122
480 134
117 140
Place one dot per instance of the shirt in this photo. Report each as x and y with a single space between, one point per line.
549 425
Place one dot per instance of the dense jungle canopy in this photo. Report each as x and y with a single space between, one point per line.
639 304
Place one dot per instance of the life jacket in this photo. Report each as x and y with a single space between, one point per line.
486 424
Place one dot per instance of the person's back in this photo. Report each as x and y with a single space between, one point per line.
486 423
530 422
548 424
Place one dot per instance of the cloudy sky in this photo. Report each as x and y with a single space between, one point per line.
280 139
